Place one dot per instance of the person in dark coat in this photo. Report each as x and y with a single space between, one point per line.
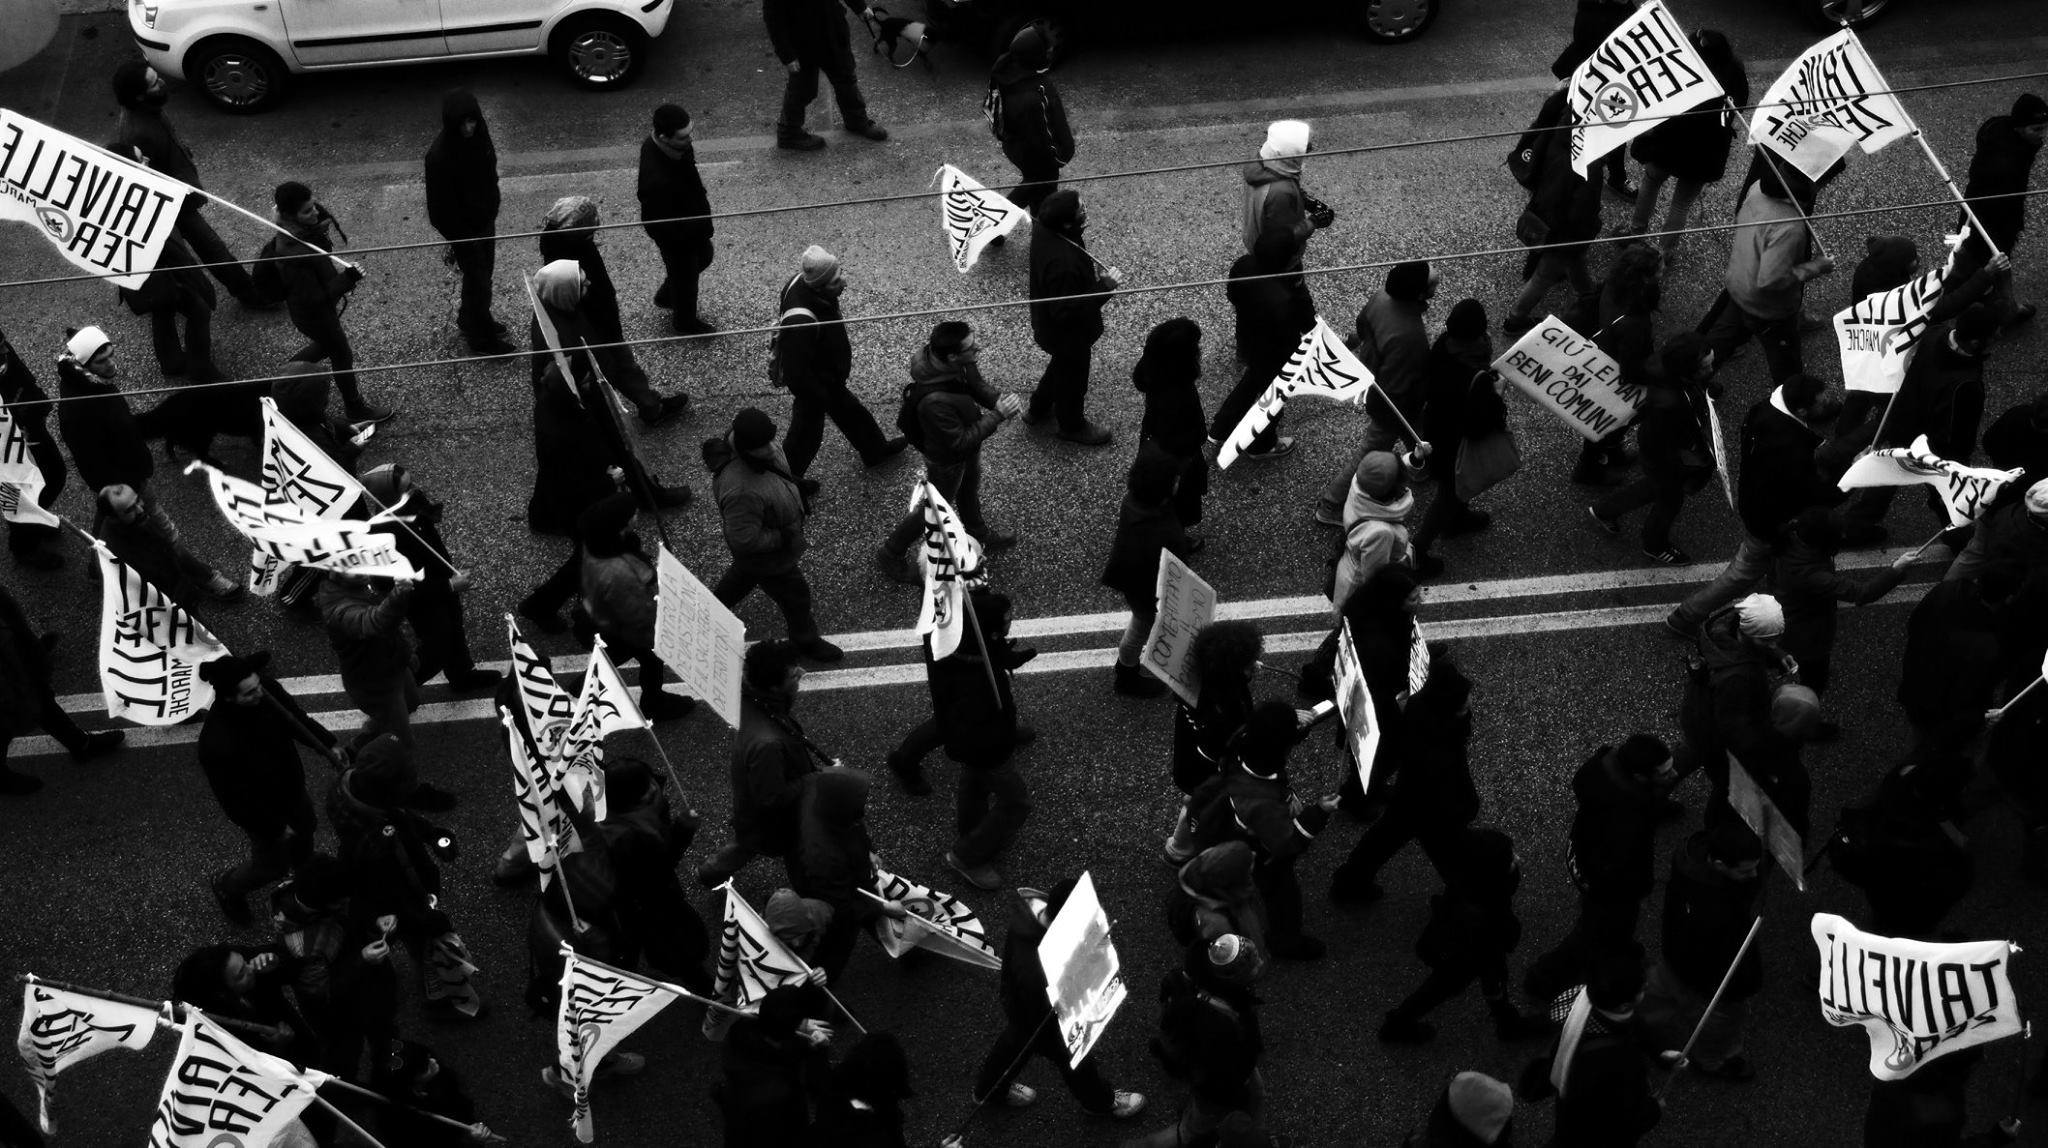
981 732
906 761
1620 792
569 230
1146 526
675 211
644 839
1432 798
1274 198
619 584
1473 1111
1567 205
27 701
562 286
1950 671
1209 1037
1254 801
178 289
576 465
1472 928
435 608
1592 22
770 759
1224 655
1622 321
1673 449
864 1106
340 969
1731 705
366 627
1029 1028
809 36
1808 585
247 983
462 204
835 863
2014 530
304 393
144 134
1272 316
2000 169
1028 117
1690 151
1941 397
248 750
2016 440
1464 401
1391 338
316 286
1173 427
32 544
1069 289
817 364
777 1069
423 1086
1709 903
1603 1089
762 510
1214 895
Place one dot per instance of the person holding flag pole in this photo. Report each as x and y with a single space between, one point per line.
1999 172
27 701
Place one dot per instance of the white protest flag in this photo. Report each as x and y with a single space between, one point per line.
1321 367
1830 100
1256 419
59 1028
1083 976
972 215
952 564
1644 71
938 921
1354 705
298 472
151 649
1568 1039
604 707
104 214
1916 1000
1718 442
1418 660
1965 490
751 960
698 637
221 1092
547 832
1761 814
21 480
283 532
1879 333
1576 380
600 1007
1185 605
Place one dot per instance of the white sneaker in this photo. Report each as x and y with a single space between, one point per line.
1020 1095
1127 1105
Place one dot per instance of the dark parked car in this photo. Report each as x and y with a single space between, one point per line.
990 25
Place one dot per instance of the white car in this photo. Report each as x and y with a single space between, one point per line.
239 52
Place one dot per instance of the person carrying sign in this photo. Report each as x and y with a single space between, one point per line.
1146 525
618 594
1672 449
1432 798
1716 880
1472 928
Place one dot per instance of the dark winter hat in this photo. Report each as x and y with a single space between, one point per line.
1467 320
1173 354
130 80
2029 109
291 195
1795 711
1976 324
768 662
627 780
1379 476
1408 280
752 429
1061 208
670 119
796 920
1268 737
228 670
608 517
949 336
1642 753
1031 47
1731 843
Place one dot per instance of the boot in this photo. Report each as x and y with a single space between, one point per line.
909 774
1180 847
1134 682
1511 1023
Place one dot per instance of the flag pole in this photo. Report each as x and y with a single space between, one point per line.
1998 713
352 1126
1938 536
369 1094
292 719
973 619
672 989
1771 159
263 1031
392 512
927 922
1685 1054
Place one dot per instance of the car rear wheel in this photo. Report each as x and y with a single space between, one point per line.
1846 13
600 51
239 75
1393 21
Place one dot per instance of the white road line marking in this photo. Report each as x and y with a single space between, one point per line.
872 677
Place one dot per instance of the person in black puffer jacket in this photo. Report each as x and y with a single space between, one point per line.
1432 797
1069 289
864 1107
817 366
1472 928
981 732
462 204
1174 426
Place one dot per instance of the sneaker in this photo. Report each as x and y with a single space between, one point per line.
1327 515
16 784
1134 682
225 589
1281 446
474 681
1087 434
660 705
1677 626
870 130
670 408
99 744
1611 525
799 141
889 450
2021 315
1124 1106
429 798
491 345
987 878
367 413
820 650
620 1064
1019 1095
896 567
233 906
1667 554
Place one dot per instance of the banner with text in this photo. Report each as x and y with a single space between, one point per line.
1645 70
599 1009
1321 367
953 564
544 828
104 214
1965 490
1083 977
697 637
1916 1000
1830 100
1764 819
1354 705
59 1028
938 921
751 960
1185 604
548 708
1879 333
284 534
151 649
1577 381
298 472
972 215
222 1093
21 480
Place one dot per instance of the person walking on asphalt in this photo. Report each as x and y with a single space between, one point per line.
1254 800
816 363
435 608
1168 373
1274 310
980 731
1392 340
315 284
618 594
770 759
248 750
144 134
563 289
32 544
1432 798
1672 449
28 702
462 204
1472 928
175 290
1771 259
1688 151
1716 881
1209 1037
366 627
675 210
1146 527
1274 200
762 510
1069 289
2000 171
948 412
1603 1086
1025 113
810 36
1562 218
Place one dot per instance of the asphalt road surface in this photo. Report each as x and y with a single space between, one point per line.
104 871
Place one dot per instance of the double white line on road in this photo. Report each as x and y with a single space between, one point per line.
1065 661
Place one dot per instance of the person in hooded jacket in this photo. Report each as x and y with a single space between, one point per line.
569 229
144 134
340 969
248 750
1808 586
1272 316
1146 526
1254 801
980 730
2016 440
1391 338
645 839
1563 217
817 363
577 464
618 594
317 284
1028 117
675 211
435 608
762 509
1069 290
562 287
1465 402
1473 1111
1950 671
133 535
1225 656
1214 895
1173 426
1730 692
2014 530
863 1108
22 398
835 863
1689 151
770 759
2000 169
948 412
1274 200
1209 1037
1432 797
1709 903
1674 451
1375 523
776 1069
1472 928
178 289
27 701
462 204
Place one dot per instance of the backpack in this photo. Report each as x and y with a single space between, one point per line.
907 423
992 108
1521 161
263 273
775 371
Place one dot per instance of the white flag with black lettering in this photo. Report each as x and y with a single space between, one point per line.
1879 333
604 707
104 214
938 921
599 1009
221 1092
1646 70
151 649
973 215
1830 100
285 534
21 480
299 472
1916 1000
545 829
751 960
1965 490
1320 367
953 564
547 707
59 1028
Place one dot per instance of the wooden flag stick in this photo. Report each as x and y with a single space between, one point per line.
352 1126
1941 170
1923 547
1685 1054
1998 713
367 1094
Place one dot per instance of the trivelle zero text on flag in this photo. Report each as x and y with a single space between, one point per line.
1830 100
1645 71
104 214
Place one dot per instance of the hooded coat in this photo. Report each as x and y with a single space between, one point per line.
303 393
1472 924
1061 266
462 173
1458 404
769 764
759 506
571 456
1033 122
773 1077
1565 200
955 408
2001 166
142 127
834 859
1166 374
600 305
1375 535
816 353
1214 895
1272 314
384 847
1393 341
1780 475
671 189
618 578
99 426
1273 198
250 757
367 631
1614 830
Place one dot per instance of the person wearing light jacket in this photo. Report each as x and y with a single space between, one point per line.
762 509
1375 522
1771 259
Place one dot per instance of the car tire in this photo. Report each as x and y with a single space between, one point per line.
1055 34
236 74
599 51
1831 14
1393 21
